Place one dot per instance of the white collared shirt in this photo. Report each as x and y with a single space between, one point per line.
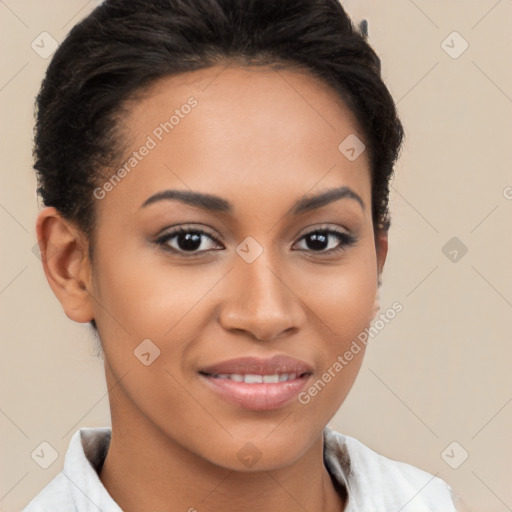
369 481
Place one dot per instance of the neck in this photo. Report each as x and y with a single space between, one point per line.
145 469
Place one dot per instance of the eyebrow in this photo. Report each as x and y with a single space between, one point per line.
218 204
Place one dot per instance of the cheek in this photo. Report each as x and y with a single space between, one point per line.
341 305
141 295
139 287
342 296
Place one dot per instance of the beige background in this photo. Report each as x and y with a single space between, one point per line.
439 372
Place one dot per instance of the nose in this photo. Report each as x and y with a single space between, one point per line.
260 301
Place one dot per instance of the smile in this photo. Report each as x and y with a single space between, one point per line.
257 379
257 384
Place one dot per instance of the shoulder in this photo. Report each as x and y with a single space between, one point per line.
78 484
55 496
375 482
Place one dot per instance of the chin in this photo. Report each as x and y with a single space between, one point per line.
264 452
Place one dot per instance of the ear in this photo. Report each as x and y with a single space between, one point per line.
66 264
381 247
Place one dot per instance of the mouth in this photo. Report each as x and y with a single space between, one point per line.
254 378
258 384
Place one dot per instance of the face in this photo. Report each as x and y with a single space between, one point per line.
204 301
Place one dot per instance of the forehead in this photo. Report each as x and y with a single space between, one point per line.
253 96
221 127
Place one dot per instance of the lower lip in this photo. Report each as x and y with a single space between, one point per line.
257 397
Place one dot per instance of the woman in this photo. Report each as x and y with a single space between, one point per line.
216 178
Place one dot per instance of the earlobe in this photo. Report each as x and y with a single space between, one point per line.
65 263
381 247
376 305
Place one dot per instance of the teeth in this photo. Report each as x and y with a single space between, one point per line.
251 378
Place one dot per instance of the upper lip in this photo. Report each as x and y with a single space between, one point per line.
278 364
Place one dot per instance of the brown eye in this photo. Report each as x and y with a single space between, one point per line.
327 240
188 240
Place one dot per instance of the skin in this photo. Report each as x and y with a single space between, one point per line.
261 139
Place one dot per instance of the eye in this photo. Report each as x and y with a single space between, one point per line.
327 240
187 240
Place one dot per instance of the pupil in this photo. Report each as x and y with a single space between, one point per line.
318 241
190 241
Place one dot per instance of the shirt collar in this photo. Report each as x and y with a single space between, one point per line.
89 445
337 462
84 458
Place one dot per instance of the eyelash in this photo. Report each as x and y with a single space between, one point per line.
345 240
